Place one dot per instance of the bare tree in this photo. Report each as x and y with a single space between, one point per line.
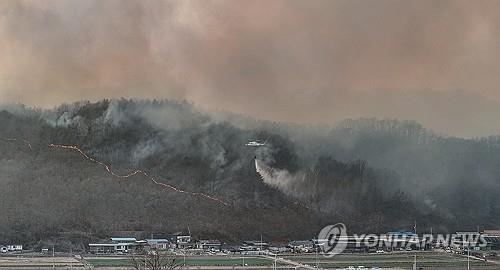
154 260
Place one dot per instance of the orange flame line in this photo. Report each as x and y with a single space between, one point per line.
108 169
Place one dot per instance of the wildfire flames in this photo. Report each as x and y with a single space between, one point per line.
108 169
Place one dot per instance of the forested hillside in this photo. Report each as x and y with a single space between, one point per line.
373 175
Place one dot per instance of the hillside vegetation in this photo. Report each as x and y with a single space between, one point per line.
374 175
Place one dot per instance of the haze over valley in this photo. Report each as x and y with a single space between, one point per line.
212 126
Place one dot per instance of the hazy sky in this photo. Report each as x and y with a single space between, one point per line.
437 62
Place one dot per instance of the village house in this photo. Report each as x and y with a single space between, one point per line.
213 245
10 248
158 244
118 245
183 241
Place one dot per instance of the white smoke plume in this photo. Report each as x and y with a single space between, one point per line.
145 149
281 179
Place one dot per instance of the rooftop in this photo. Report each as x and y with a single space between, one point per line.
255 243
110 244
123 239
212 242
302 242
157 241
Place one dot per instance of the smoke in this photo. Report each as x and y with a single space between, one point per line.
113 114
293 184
319 166
167 128
302 61
145 149
283 180
266 153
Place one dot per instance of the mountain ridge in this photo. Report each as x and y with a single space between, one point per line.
360 180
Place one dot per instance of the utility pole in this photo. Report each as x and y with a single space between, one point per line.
261 249
432 240
275 262
468 258
317 258
184 255
53 258
319 246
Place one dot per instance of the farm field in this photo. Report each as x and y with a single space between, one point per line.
191 261
404 260
29 262
426 260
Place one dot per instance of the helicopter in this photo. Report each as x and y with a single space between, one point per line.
255 143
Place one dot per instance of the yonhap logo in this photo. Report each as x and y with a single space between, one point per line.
332 239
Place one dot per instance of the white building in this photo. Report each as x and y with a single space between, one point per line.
160 244
117 245
184 241
11 248
214 245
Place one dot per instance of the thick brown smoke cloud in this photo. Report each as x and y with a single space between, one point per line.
303 61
